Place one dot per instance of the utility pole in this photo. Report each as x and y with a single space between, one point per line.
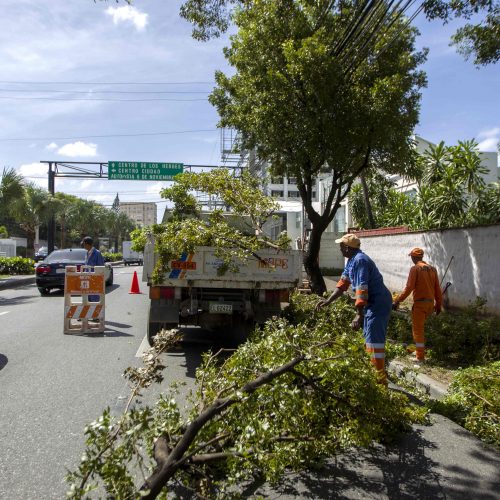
51 233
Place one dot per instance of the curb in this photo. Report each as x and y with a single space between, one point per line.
16 282
433 388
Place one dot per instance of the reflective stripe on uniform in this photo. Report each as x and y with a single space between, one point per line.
375 346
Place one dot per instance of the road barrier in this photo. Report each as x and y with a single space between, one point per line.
84 297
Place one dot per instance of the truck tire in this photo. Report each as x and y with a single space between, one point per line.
154 328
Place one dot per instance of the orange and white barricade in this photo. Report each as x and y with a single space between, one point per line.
82 315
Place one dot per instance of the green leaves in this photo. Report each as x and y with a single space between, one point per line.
236 234
16 265
298 391
452 193
474 401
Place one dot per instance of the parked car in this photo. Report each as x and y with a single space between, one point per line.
41 253
50 271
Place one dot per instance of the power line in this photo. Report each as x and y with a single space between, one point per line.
94 91
145 134
96 99
106 83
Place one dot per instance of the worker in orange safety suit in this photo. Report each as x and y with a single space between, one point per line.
427 297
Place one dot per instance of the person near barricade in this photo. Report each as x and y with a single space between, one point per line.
93 258
372 300
427 297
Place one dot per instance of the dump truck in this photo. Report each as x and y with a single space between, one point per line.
194 292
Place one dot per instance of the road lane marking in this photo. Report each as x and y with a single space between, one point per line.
5 312
143 347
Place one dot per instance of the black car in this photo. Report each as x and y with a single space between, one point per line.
50 272
41 253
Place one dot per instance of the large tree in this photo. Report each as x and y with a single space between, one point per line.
316 93
479 39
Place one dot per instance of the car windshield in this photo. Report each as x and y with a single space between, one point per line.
42 250
76 255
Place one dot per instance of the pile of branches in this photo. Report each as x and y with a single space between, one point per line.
297 392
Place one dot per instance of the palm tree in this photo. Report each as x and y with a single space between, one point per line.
36 207
12 188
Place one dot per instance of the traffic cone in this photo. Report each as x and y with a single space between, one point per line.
134 288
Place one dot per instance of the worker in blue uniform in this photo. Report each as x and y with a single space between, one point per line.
373 301
93 258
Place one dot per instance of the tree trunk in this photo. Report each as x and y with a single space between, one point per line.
368 205
311 262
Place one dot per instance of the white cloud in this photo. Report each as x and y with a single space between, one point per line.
128 14
35 172
491 138
155 188
77 149
87 183
490 144
51 146
491 132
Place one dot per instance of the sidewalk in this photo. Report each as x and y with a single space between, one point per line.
28 279
16 281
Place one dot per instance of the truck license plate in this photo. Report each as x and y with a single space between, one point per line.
218 308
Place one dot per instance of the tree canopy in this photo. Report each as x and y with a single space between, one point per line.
480 39
451 192
314 102
236 234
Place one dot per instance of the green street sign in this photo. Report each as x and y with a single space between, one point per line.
141 171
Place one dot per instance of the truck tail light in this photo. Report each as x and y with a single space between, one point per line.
164 292
167 292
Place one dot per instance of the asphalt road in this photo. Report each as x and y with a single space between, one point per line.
52 385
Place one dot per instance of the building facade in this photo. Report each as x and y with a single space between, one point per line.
144 214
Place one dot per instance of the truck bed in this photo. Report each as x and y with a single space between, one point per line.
274 270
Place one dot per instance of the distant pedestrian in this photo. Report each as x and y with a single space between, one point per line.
93 258
427 297
373 300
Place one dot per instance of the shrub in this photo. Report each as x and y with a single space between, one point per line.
16 265
399 328
473 401
464 338
458 338
112 257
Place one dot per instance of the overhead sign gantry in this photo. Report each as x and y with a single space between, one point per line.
114 170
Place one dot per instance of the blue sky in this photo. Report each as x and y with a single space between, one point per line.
93 53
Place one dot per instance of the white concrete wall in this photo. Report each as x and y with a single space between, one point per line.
474 270
7 247
329 254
